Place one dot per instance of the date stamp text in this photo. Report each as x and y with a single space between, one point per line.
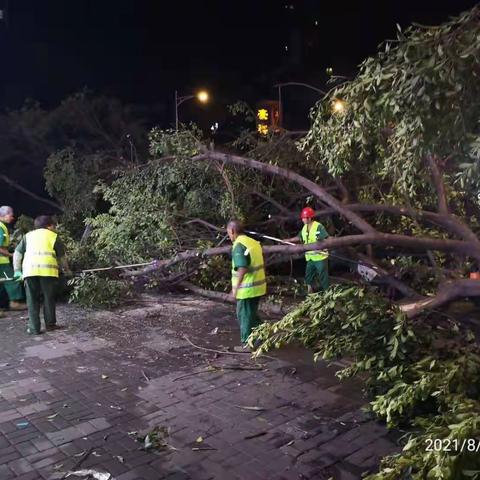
467 445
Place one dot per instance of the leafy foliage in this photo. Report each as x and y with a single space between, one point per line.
183 143
419 96
81 255
92 291
445 447
346 321
23 225
71 181
420 376
214 272
137 225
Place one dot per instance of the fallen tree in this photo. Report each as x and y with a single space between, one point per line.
395 173
395 177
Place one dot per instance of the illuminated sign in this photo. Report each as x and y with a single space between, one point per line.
262 114
262 129
268 117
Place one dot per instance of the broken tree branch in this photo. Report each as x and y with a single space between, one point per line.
447 292
458 247
24 190
318 191
449 222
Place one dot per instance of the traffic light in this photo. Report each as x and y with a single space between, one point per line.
267 117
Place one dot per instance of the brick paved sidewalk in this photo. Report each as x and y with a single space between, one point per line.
84 391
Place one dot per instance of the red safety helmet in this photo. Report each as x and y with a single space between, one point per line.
307 212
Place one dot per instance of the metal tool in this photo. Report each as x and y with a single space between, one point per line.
117 267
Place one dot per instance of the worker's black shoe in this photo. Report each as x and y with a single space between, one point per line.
33 332
51 328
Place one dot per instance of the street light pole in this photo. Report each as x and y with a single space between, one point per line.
280 109
202 97
176 111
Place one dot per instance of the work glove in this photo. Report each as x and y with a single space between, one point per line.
17 276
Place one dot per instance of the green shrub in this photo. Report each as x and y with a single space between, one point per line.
92 291
80 255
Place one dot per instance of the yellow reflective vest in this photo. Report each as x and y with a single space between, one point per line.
40 259
309 235
5 244
253 283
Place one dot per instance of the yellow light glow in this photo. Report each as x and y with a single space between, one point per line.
203 96
262 129
262 114
338 106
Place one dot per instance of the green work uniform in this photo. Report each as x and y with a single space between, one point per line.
14 289
317 263
43 283
247 307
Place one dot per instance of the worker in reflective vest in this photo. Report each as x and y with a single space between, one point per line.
43 255
248 280
317 261
14 290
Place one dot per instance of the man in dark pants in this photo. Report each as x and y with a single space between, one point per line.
317 261
42 252
248 280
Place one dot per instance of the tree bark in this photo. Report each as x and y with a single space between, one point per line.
318 191
458 247
447 292
449 222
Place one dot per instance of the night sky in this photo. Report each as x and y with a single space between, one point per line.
142 50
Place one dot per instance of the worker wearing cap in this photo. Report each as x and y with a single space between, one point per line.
42 254
317 263
248 279
14 290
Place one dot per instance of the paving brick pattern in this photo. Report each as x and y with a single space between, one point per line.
70 393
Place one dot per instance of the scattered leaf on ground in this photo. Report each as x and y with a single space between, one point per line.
93 473
246 407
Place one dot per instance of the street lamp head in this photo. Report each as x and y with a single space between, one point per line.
202 96
338 106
